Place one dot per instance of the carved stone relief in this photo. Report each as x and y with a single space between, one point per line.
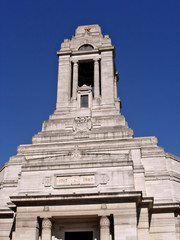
76 153
104 178
47 181
82 124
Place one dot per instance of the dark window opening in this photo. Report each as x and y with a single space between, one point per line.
100 77
86 74
71 79
84 101
86 47
79 235
111 226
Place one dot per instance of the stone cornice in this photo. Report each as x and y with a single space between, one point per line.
121 143
38 200
94 198
172 156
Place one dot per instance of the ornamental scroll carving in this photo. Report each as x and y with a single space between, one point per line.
82 124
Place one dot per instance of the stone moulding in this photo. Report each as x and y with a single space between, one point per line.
94 198
132 196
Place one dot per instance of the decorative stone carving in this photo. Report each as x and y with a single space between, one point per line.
46 208
82 124
46 223
103 206
104 222
104 178
76 153
47 181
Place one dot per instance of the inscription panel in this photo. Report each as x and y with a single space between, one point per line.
74 180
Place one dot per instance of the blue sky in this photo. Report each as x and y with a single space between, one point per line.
146 36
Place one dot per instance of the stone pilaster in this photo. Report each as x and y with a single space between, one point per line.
5 228
143 225
125 223
115 87
75 80
46 229
163 226
96 78
104 228
26 228
64 79
107 78
138 168
177 222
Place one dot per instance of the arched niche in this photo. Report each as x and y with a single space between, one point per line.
86 47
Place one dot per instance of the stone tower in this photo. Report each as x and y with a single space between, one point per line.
87 101
85 176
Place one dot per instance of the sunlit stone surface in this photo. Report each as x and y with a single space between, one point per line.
85 176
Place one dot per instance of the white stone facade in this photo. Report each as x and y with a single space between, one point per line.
85 176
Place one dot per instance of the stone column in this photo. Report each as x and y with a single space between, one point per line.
104 228
96 78
75 80
46 229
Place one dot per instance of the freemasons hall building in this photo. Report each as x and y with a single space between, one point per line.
85 176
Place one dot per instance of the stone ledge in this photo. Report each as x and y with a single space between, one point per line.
37 200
